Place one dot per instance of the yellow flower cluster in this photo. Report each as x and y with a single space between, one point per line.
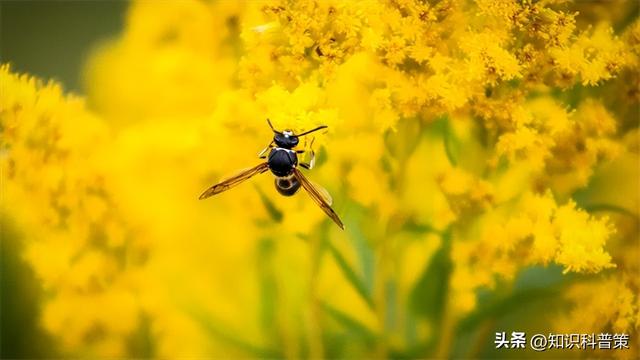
81 248
565 145
468 141
533 230
612 305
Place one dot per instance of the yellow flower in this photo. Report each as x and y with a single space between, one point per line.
467 142
464 192
595 57
58 189
614 307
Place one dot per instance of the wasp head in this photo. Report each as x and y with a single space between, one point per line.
287 139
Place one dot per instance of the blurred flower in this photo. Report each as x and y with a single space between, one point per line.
467 142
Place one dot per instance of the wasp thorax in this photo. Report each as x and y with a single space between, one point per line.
287 186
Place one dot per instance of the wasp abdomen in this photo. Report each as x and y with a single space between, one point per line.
287 186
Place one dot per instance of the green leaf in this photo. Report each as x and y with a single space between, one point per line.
362 246
612 208
216 330
428 297
498 306
273 211
321 156
441 128
20 299
267 281
140 343
414 226
351 275
403 142
353 326
534 286
451 144
391 316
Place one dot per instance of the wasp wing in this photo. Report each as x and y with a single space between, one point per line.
323 192
234 180
318 197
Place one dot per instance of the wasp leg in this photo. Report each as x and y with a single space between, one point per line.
312 161
263 154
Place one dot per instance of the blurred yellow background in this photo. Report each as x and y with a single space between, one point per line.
483 156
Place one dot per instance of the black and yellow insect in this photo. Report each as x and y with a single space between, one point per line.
282 160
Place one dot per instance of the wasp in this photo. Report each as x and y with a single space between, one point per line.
282 161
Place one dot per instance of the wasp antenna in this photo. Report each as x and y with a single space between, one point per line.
312 130
271 126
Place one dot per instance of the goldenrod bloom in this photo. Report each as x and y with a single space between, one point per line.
475 150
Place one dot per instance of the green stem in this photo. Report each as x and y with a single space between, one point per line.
316 348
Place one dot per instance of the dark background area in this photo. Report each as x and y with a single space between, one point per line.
50 40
